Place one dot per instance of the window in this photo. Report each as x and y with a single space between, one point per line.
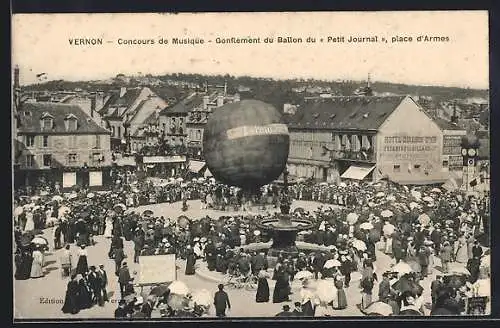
30 141
30 160
47 160
45 141
47 123
119 132
72 124
113 131
445 163
397 168
72 158
97 141
96 157
181 131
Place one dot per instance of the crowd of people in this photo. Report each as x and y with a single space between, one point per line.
418 228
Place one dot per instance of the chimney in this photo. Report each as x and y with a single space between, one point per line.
16 77
206 99
220 100
93 101
236 97
123 91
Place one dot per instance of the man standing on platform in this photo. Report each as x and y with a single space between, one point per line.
104 282
124 279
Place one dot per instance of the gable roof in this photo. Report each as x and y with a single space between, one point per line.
31 123
116 101
345 113
446 125
184 106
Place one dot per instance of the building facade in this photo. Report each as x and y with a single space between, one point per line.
366 137
59 143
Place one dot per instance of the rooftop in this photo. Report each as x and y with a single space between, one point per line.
346 112
31 115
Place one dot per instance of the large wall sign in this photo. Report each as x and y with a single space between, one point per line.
409 147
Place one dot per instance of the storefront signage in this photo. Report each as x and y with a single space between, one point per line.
409 147
452 145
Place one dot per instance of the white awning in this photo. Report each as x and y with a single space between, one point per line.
163 159
357 172
207 174
196 166
126 161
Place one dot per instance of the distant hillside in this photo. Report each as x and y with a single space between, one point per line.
276 92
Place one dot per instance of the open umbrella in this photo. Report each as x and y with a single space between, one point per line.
202 297
183 221
379 308
424 219
428 199
38 240
352 218
18 211
359 245
90 195
380 194
386 214
402 268
299 210
414 205
326 291
57 198
159 290
391 198
177 302
179 179
331 263
342 184
72 196
36 197
178 288
120 207
416 194
436 190
147 213
366 226
304 274
371 204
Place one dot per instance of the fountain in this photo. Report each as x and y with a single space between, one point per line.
283 228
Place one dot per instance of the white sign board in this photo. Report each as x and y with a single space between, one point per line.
156 269
95 178
69 179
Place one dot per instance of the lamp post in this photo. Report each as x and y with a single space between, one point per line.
470 145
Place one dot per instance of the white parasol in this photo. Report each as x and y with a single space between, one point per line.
179 179
428 199
414 205
436 190
90 195
202 297
380 308
416 194
386 213
18 211
39 241
366 226
63 210
359 245
402 268
35 198
179 288
424 219
391 198
342 184
331 263
304 274
57 198
352 218
72 196
380 194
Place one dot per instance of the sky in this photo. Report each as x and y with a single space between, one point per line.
41 45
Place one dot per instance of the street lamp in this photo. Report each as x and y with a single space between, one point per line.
470 146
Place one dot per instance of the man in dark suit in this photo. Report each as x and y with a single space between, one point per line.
436 287
124 279
95 282
477 250
104 282
119 257
121 311
221 302
286 312
259 262
384 288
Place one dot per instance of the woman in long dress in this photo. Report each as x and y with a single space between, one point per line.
71 299
82 266
282 288
84 295
461 255
30 222
341 302
190 263
262 295
108 230
37 265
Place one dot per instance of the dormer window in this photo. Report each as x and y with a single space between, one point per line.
71 122
47 121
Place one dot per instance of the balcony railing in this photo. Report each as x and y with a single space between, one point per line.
351 155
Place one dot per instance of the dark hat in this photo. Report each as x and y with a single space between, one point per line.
122 302
221 286
124 263
286 307
297 304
